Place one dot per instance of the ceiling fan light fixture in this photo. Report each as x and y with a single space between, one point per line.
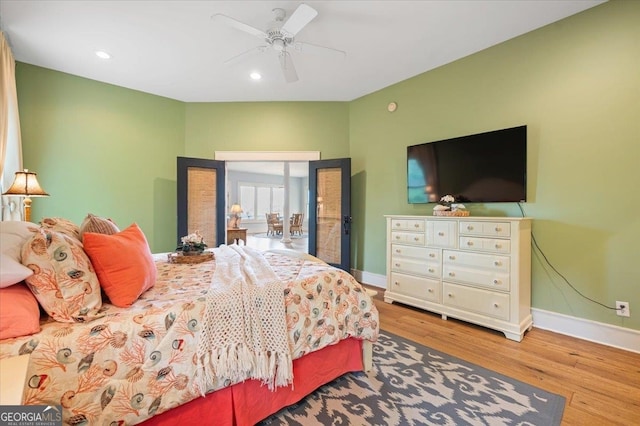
278 45
255 75
102 54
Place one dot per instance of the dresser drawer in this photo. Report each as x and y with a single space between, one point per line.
424 253
485 244
486 270
414 238
479 277
421 288
490 229
407 224
415 266
476 300
442 233
492 262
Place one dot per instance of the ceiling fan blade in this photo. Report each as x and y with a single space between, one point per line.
239 25
299 19
246 54
305 47
288 70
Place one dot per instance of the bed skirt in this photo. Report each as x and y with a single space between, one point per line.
249 402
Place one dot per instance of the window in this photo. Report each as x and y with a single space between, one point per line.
257 199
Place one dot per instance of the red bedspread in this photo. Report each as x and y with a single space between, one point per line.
249 402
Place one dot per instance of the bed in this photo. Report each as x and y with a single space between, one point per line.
127 365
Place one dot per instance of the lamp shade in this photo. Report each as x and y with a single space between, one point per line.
235 209
26 184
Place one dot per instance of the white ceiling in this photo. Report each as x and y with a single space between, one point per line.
174 48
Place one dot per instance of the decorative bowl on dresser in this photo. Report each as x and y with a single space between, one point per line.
476 269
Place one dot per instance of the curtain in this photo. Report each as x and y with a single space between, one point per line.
10 143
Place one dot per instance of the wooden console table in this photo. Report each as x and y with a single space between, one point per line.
234 235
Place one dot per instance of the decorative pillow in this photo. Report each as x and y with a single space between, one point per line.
13 235
19 312
12 272
62 225
123 262
64 281
98 225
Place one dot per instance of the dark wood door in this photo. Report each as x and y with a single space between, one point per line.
330 211
201 189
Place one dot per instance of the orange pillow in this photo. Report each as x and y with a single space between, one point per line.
19 312
123 262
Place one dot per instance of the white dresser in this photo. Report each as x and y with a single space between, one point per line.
476 269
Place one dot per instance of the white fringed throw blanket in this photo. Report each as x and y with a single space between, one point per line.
244 331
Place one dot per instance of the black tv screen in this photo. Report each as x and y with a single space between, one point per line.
481 168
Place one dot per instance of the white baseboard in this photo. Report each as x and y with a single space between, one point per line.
375 280
598 332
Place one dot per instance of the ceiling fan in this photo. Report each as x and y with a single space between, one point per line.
279 36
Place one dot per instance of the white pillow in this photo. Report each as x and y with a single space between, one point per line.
13 235
11 271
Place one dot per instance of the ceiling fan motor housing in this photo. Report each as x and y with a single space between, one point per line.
278 39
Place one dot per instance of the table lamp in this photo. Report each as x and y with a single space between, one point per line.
26 185
235 214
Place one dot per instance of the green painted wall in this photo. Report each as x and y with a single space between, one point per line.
102 149
109 150
576 84
267 126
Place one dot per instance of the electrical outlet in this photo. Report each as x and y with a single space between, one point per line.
622 309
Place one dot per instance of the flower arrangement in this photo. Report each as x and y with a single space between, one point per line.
447 200
447 206
192 243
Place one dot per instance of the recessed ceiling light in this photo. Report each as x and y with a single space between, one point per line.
102 54
255 76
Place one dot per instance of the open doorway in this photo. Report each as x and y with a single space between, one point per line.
275 214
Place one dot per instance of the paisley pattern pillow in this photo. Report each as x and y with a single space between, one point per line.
63 279
62 225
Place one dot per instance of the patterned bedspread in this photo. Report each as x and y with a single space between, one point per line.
140 361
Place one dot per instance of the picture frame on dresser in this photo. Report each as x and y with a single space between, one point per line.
475 269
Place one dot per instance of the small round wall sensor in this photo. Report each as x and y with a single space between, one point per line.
392 106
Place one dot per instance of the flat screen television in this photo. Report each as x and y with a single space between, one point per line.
482 168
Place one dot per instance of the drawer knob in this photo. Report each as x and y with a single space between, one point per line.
496 281
495 305
432 255
397 237
416 239
469 228
416 225
450 295
430 290
498 229
498 246
397 224
396 283
441 233
431 270
452 257
452 274
469 243
398 251
497 263
397 265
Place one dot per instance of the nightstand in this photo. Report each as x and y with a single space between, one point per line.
234 235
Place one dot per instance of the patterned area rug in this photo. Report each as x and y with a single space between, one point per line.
411 384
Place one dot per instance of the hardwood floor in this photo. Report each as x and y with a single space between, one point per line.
601 384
